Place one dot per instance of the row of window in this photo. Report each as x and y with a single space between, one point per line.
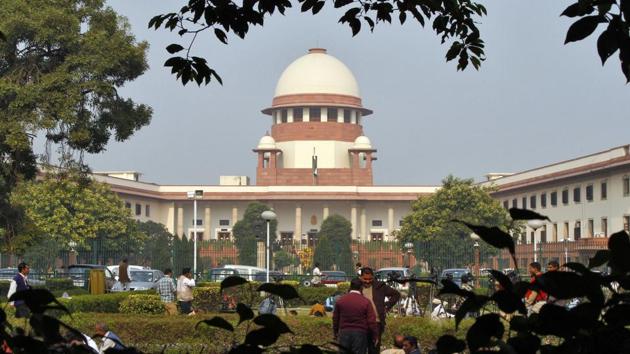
589 196
379 223
577 230
138 209
316 114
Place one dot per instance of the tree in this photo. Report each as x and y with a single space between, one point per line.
61 64
442 242
282 259
158 244
250 230
333 246
68 209
452 20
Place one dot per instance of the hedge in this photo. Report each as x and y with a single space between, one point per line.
142 304
53 284
179 333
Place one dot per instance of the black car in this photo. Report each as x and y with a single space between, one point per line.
274 276
80 273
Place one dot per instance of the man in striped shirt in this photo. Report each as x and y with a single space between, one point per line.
166 289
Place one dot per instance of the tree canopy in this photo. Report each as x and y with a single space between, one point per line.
333 244
250 230
61 65
453 21
443 242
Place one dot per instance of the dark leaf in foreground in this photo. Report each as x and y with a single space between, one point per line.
618 315
272 322
508 302
309 349
263 336
525 344
582 28
471 304
174 48
448 344
244 312
600 258
526 214
549 318
493 236
586 315
503 279
483 330
232 281
285 291
217 322
619 246
246 349
449 287
37 300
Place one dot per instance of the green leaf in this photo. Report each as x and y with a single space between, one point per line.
174 48
582 28
218 322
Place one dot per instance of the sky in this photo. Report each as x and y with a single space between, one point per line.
534 101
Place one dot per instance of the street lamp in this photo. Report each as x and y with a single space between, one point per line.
195 195
535 224
268 215
409 247
566 250
476 249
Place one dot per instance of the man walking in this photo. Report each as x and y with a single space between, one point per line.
166 289
123 274
354 321
377 292
20 283
185 285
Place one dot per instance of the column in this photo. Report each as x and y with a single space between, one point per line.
297 229
180 222
363 225
324 117
390 220
290 115
170 218
325 212
353 221
234 215
207 222
306 114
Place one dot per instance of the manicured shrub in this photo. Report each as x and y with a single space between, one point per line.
107 303
207 299
142 304
343 287
293 283
53 284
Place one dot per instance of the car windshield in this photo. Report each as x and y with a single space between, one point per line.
142 276
78 270
220 274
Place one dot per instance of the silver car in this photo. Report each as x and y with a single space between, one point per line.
144 279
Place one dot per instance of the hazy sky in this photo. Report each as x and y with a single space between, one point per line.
534 101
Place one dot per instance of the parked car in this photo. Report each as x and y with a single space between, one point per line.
7 274
79 273
455 274
332 277
274 276
391 273
218 274
247 272
144 279
114 269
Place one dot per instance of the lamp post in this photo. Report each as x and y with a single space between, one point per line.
409 247
476 248
194 195
268 215
566 250
535 224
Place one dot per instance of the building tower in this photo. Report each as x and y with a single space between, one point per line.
316 127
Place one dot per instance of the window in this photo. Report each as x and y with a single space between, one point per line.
590 228
400 222
312 238
199 222
224 222
376 236
199 235
346 116
604 227
283 115
127 205
577 194
532 202
223 235
565 196
506 204
297 114
514 203
543 200
377 222
524 203
543 234
286 238
332 114
589 193
138 209
554 199
147 210
604 191
626 186
315 115
577 230
532 237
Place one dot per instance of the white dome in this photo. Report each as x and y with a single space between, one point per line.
317 72
362 143
266 143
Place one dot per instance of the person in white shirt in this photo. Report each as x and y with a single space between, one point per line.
185 285
109 338
317 275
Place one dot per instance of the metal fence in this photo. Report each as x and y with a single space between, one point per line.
296 258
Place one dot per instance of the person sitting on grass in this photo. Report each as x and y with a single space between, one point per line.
109 338
317 310
398 345
410 345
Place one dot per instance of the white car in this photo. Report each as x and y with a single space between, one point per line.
114 269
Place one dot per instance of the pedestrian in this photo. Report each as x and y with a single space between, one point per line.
553 266
167 290
534 299
357 268
20 283
109 339
317 275
398 345
123 274
185 284
377 292
354 321
410 345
